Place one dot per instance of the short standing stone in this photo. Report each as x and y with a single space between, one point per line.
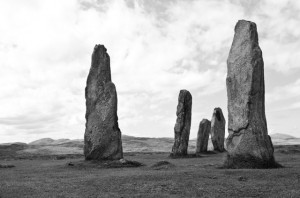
183 124
218 130
248 143
102 138
203 136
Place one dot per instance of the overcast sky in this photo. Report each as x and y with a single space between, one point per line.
156 49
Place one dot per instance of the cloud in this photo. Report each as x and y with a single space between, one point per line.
285 92
156 49
295 105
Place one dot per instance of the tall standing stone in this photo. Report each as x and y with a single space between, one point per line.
102 138
218 130
203 136
248 143
183 124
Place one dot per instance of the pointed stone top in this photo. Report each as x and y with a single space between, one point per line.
218 114
100 48
101 64
184 96
100 52
184 93
204 120
244 49
217 109
245 22
245 30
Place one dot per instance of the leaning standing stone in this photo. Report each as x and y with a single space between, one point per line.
183 124
203 136
102 138
248 143
218 130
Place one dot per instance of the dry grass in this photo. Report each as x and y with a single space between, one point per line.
188 177
83 164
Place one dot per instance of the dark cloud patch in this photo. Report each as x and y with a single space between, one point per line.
160 10
289 38
130 3
291 11
8 46
180 67
202 60
250 7
99 5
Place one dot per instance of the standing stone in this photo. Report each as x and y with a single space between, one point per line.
203 135
102 138
248 143
218 130
183 124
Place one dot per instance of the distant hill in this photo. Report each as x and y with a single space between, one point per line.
48 146
10 150
130 144
51 142
284 139
281 136
43 141
10 143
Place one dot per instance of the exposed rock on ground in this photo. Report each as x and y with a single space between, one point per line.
7 166
162 165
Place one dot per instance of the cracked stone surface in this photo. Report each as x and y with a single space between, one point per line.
203 136
218 130
102 138
183 123
247 127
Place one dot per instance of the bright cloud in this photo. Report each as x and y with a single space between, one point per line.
156 49
289 91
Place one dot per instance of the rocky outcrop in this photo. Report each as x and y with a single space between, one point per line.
183 124
102 138
203 136
248 143
218 130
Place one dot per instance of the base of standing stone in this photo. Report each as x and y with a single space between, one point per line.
219 151
122 163
248 162
194 155
207 153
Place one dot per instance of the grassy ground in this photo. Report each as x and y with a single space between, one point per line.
189 177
